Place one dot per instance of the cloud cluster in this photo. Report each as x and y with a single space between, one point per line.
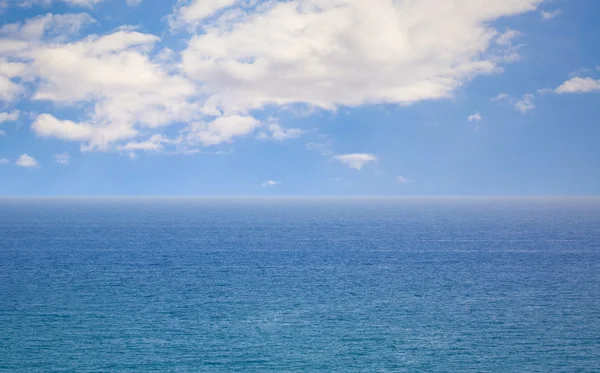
249 56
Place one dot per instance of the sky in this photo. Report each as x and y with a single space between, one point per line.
299 97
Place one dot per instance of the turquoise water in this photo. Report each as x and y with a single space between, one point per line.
300 285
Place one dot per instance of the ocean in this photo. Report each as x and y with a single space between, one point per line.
300 285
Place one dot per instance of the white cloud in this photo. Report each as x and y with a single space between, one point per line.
113 75
507 37
9 117
314 54
134 2
26 161
3 160
275 131
62 158
402 180
322 53
270 183
501 97
18 40
526 104
12 69
579 85
95 137
475 117
195 11
356 161
548 15
221 130
154 143
9 90
52 26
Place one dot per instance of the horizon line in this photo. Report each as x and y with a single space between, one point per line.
292 196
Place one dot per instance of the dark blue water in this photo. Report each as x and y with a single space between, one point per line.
304 285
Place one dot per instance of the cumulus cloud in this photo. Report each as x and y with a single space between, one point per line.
356 161
94 137
133 2
62 158
113 74
313 54
475 117
321 52
579 85
26 161
548 15
19 43
221 130
3 160
270 183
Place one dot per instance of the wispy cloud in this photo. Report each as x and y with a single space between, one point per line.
321 147
523 105
548 15
62 158
270 183
402 180
274 131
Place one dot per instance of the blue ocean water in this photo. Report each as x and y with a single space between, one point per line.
299 285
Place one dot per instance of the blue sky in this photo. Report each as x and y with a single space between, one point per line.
302 97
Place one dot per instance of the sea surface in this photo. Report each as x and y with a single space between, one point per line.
299 285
